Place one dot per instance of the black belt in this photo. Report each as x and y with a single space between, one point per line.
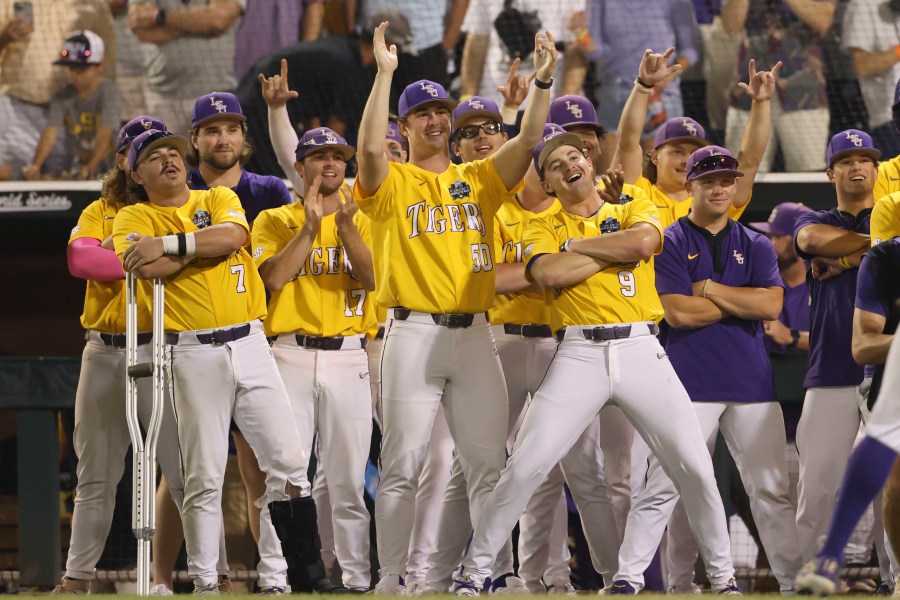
528 330
448 320
117 340
380 334
315 342
219 336
604 334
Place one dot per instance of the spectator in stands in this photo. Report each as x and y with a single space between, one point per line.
718 64
29 80
620 33
871 36
790 333
87 110
790 31
191 53
131 63
436 26
486 60
269 25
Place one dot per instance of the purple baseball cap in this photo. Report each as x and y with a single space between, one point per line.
476 106
711 160
393 133
150 140
851 141
680 129
423 92
782 219
214 106
554 137
323 136
136 127
571 111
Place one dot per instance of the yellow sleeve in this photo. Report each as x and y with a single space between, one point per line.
538 238
265 240
484 174
885 220
735 212
881 182
90 223
643 211
376 205
130 220
225 207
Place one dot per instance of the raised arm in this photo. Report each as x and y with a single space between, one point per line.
761 88
373 164
654 70
276 93
514 157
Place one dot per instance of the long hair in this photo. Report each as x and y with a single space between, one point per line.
192 157
115 185
135 194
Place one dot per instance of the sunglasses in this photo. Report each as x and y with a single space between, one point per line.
719 162
471 131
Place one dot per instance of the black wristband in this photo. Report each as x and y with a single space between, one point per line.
544 85
795 337
643 84
182 244
161 16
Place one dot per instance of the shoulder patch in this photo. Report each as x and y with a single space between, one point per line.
529 249
258 251
75 230
237 214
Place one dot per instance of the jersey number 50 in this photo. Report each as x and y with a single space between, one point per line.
481 258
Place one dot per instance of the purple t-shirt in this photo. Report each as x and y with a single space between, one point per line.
256 192
831 309
794 315
725 361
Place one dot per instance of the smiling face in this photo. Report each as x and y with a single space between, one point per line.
713 194
219 143
327 163
481 146
671 163
853 175
161 170
568 173
588 135
427 128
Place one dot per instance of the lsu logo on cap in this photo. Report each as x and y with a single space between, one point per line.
146 124
574 109
430 89
689 127
329 138
476 104
855 139
218 104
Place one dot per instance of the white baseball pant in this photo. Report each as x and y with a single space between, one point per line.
545 564
825 436
616 439
209 384
754 433
635 374
425 365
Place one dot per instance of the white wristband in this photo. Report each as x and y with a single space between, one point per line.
191 244
509 114
170 244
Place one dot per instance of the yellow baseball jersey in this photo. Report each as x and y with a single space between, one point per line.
672 210
207 293
619 293
324 298
885 221
888 180
104 301
434 235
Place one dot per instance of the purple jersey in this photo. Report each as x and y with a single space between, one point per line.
877 291
794 315
725 361
831 309
256 192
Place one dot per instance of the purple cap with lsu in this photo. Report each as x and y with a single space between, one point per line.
554 137
393 133
680 129
570 111
322 137
851 141
711 160
150 140
782 219
136 127
476 106
423 92
214 106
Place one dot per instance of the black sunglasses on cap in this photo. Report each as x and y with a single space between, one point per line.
471 131
717 163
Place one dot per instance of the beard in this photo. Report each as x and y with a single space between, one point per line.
221 164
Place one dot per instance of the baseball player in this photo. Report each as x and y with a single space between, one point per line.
664 177
219 363
431 216
875 320
832 243
718 282
888 180
101 435
314 259
576 114
591 249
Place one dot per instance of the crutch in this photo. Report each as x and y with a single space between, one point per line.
143 489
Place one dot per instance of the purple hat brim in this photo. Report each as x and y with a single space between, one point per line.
873 153
486 114
445 102
685 138
217 116
763 227
347 152
176 141
734 172
565 139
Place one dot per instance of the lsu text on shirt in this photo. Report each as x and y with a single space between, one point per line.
727 360
618 294
104 301
433 236
672 210
324 298
208 293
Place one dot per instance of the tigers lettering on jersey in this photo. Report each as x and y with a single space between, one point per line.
466 215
